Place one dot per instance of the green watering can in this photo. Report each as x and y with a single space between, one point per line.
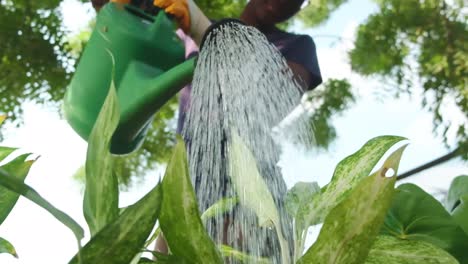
149 69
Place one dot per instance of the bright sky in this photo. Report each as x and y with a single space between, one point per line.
39 238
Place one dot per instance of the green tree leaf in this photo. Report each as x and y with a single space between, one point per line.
413 44
351 227
16 185
246 178
180 219
457 201
391 250
416 215
101 198
219 9
122 239
348 173
328 100
18 168
318 11
7 247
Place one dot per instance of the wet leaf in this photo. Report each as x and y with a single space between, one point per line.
101 199
391 250
19 169
416 215
163 259
301 193
16 185
347 175
7 247
146 261
246 178
351 227
222 206
122 239
457 201
242 257
180 218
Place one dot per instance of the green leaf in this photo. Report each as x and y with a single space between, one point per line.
391 250
146 261
122 239
19 169
180 219
220 207
5 152
318 11
2 118
347 175
416 215
163 259
247 179
351 227
301 193
101 198
7 247
457 201
16 185
242 257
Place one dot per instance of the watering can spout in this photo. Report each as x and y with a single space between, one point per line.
149 66
137 114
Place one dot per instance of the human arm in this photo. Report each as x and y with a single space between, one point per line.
301 57
301 75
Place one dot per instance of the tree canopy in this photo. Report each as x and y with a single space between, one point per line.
416 43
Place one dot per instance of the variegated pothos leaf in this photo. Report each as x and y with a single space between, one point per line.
348 173
392 250
351 227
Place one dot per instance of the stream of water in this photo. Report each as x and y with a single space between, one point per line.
242 84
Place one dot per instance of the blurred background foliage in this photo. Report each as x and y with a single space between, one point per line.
411 43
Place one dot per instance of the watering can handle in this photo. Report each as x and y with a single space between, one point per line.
146 12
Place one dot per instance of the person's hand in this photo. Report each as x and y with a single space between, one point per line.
189 17
179 9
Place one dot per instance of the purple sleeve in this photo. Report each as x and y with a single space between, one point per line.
302 51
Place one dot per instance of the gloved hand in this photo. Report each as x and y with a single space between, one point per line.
190 18
179 9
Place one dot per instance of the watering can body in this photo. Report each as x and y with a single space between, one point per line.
143 56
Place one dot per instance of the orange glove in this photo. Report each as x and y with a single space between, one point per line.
179 9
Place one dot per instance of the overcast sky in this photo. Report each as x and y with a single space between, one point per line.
39 238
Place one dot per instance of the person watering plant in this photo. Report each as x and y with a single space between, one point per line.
298 50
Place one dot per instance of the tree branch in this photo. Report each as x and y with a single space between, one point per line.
455 153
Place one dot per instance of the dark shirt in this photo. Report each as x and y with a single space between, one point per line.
299 49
